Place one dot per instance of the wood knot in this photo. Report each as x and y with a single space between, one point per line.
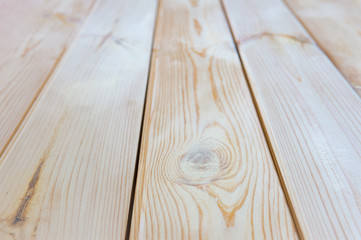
202 164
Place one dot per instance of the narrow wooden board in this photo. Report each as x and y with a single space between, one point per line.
311 115
35 34
205 170
68 174
336 26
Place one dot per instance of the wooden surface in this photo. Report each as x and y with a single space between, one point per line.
205 169
69 173
311 115
238 122
336 26
34 37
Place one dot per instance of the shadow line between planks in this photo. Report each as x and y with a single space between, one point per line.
136 167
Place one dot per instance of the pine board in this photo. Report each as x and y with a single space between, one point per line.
68 173
35 35
205 170
310 113
336 26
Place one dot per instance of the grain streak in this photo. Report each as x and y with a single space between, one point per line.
299 39
20 213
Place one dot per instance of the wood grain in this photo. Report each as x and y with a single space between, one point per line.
68 173
205 170
336 26
35 35
311 115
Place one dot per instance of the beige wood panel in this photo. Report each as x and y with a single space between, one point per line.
336 26
311 115
205 170
68 173
35 35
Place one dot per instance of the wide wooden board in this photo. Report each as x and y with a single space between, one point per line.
35 34
205 170
68 173
311 115
336 26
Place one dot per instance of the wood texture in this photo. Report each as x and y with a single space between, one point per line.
35 35
336 26
310 113
68 174
205 170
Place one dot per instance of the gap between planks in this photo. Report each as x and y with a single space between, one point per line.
136 167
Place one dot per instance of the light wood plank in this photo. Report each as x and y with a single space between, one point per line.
310 113
68 174
205 169
35 35
336 26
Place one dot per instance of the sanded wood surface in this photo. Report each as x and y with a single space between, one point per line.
336 26
68 174
240 120
35 35
310 113
205 170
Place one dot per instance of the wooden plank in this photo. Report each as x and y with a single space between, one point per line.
205 170
311 115
336 26
34 36
68 174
